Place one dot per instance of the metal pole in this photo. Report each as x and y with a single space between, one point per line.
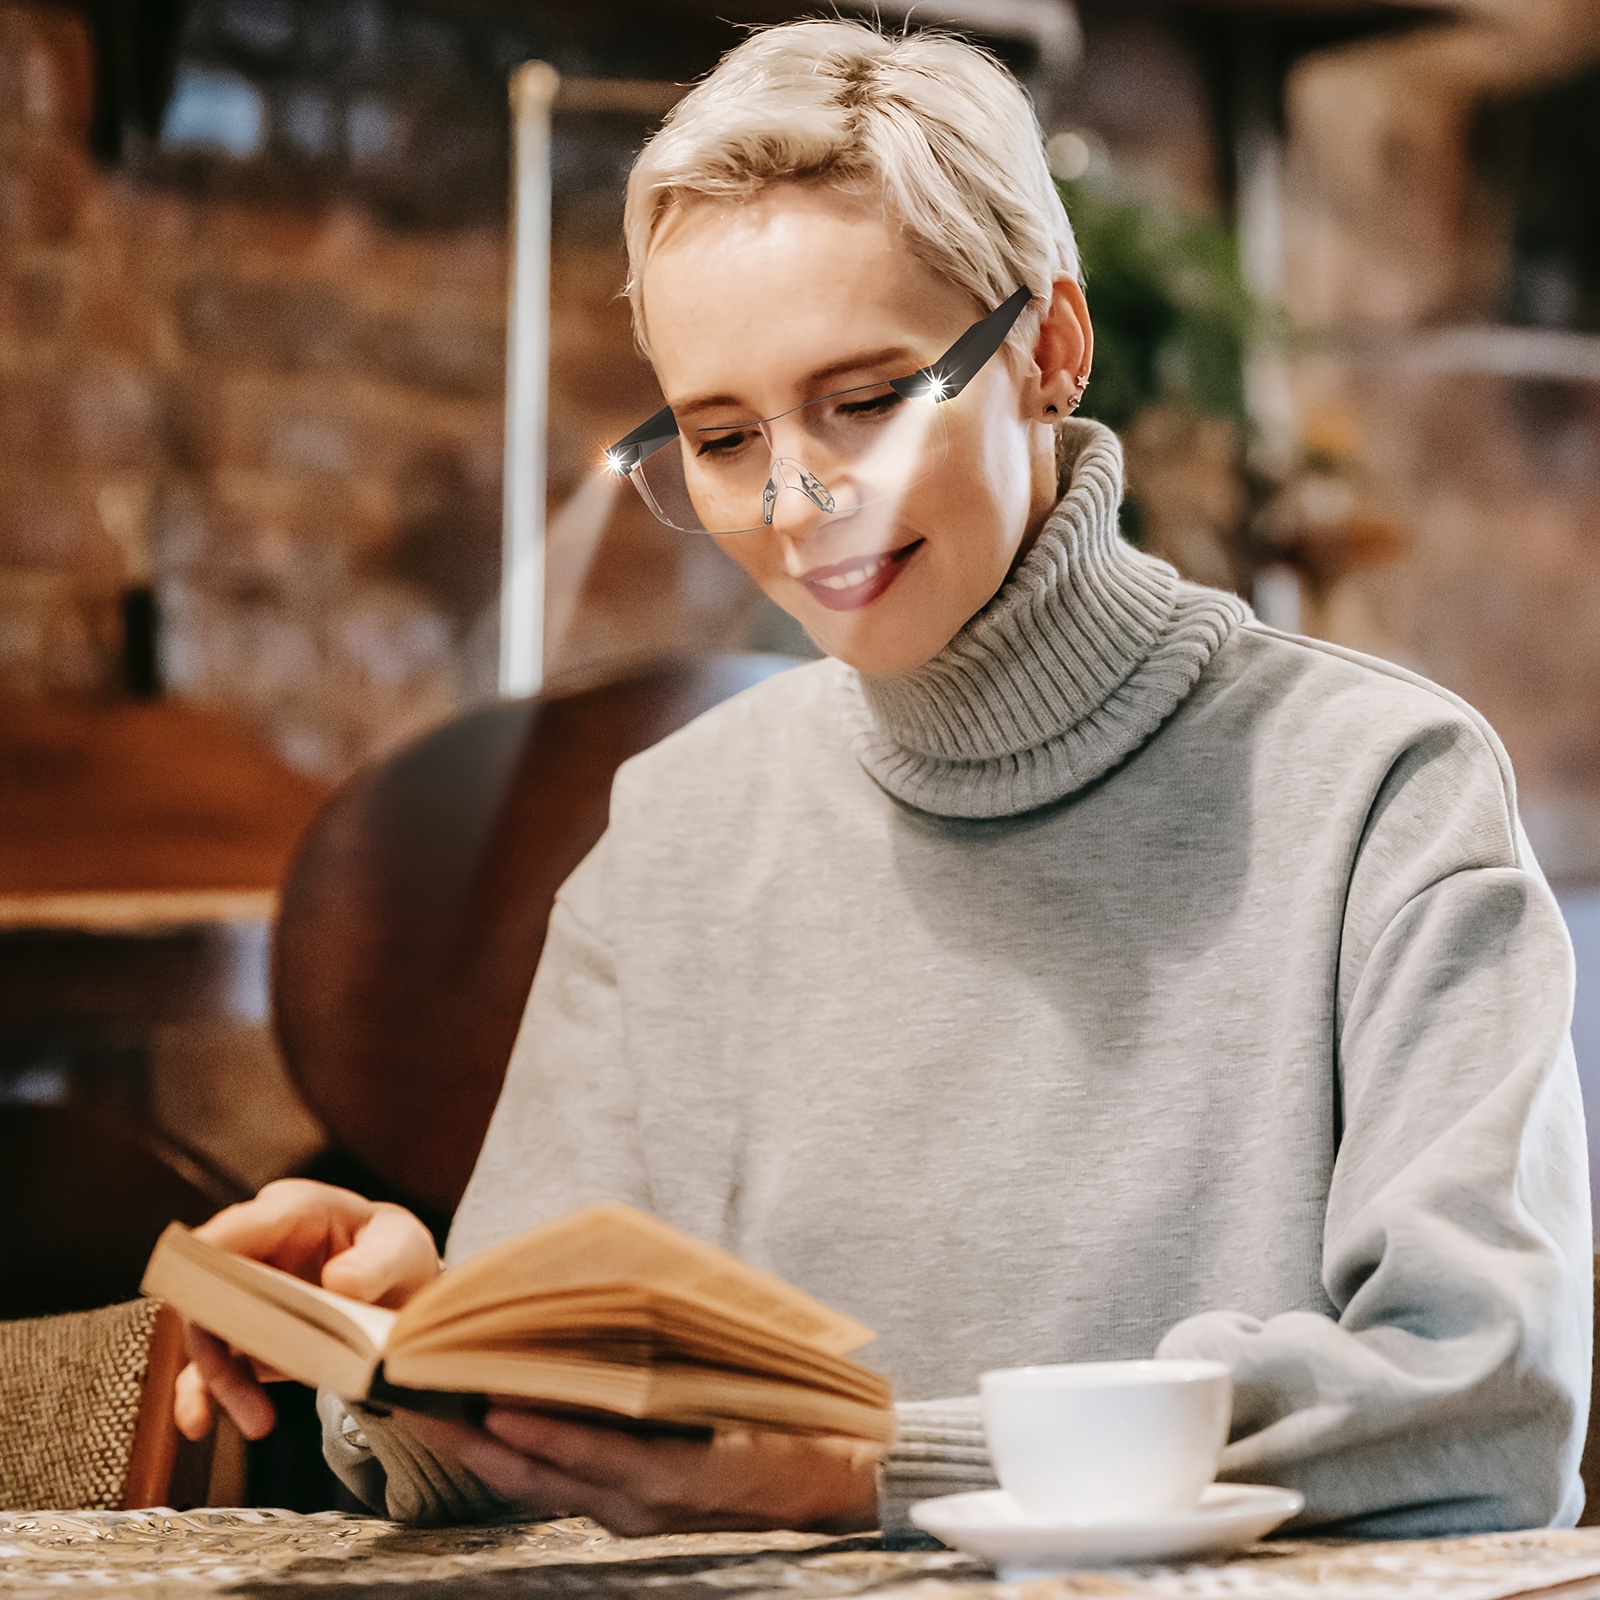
533 89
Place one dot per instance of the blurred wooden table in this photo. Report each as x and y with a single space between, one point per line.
137 815
141 848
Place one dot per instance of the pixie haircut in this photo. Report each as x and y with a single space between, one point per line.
933 125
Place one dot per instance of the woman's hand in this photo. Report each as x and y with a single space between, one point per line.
632 1485
369 1250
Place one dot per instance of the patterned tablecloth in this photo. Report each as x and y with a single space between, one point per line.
157 1555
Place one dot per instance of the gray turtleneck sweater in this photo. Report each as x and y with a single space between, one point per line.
1130 978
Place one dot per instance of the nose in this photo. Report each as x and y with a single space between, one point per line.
790 474
796 515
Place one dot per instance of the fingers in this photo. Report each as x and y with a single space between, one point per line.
232 1384
542 1487
374 1252
631 1484
280 1207
391 1257
192 1409
595 1455
535 1485
293 1223
740 1478
530 1484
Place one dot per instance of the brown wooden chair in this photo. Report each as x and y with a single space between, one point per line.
86 1371
84 1195
86 1416
414 913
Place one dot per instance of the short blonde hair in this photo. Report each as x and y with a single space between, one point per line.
935 125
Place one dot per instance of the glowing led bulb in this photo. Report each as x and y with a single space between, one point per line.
937 387
617 462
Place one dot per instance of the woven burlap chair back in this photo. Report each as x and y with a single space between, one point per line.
86 1409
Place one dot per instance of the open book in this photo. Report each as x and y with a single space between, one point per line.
607 1310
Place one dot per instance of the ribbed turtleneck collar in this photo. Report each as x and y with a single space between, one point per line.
1088 647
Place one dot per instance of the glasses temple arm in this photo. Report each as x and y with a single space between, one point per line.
945 378
632 449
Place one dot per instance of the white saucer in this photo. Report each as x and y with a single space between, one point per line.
990 1524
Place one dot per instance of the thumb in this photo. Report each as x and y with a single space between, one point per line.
390 1258
192 1408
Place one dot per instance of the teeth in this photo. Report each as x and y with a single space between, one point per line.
856 575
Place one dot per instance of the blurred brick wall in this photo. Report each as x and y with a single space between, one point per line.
64 429
286 411
1483 437
325 532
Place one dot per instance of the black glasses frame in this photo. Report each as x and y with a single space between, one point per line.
939 381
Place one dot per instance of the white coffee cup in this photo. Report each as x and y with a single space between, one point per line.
1107 1441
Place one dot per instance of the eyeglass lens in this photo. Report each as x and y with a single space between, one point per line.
835 454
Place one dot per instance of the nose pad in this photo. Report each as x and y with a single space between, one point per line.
794 476
817 492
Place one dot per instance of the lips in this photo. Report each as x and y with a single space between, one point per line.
859 580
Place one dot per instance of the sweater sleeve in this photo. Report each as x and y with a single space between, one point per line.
381 1460
1449 1389
939 1449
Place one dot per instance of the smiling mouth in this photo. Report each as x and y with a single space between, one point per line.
858 581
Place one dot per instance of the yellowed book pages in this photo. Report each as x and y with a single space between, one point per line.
616 1244
641 1327
608 1309
664 1393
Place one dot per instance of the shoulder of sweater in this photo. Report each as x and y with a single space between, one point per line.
723 741
1357 697
1400 701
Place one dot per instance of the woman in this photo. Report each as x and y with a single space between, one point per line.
1068 968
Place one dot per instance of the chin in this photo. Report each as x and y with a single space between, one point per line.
876 653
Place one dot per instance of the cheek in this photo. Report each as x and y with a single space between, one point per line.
977 507
997 464
758 553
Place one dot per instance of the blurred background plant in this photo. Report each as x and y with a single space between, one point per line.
1173 318
1176 329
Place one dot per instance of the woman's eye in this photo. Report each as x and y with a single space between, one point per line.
720 444
879 405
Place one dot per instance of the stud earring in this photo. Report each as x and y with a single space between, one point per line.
1077 393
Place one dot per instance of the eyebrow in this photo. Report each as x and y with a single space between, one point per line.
899 354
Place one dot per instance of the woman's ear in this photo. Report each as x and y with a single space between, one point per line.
1062 353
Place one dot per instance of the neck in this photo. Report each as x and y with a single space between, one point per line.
1088 647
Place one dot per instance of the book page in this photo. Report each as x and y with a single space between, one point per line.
668 1392
615 1244
627 1325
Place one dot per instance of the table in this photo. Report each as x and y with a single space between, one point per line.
123 815
141 847
157 1555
